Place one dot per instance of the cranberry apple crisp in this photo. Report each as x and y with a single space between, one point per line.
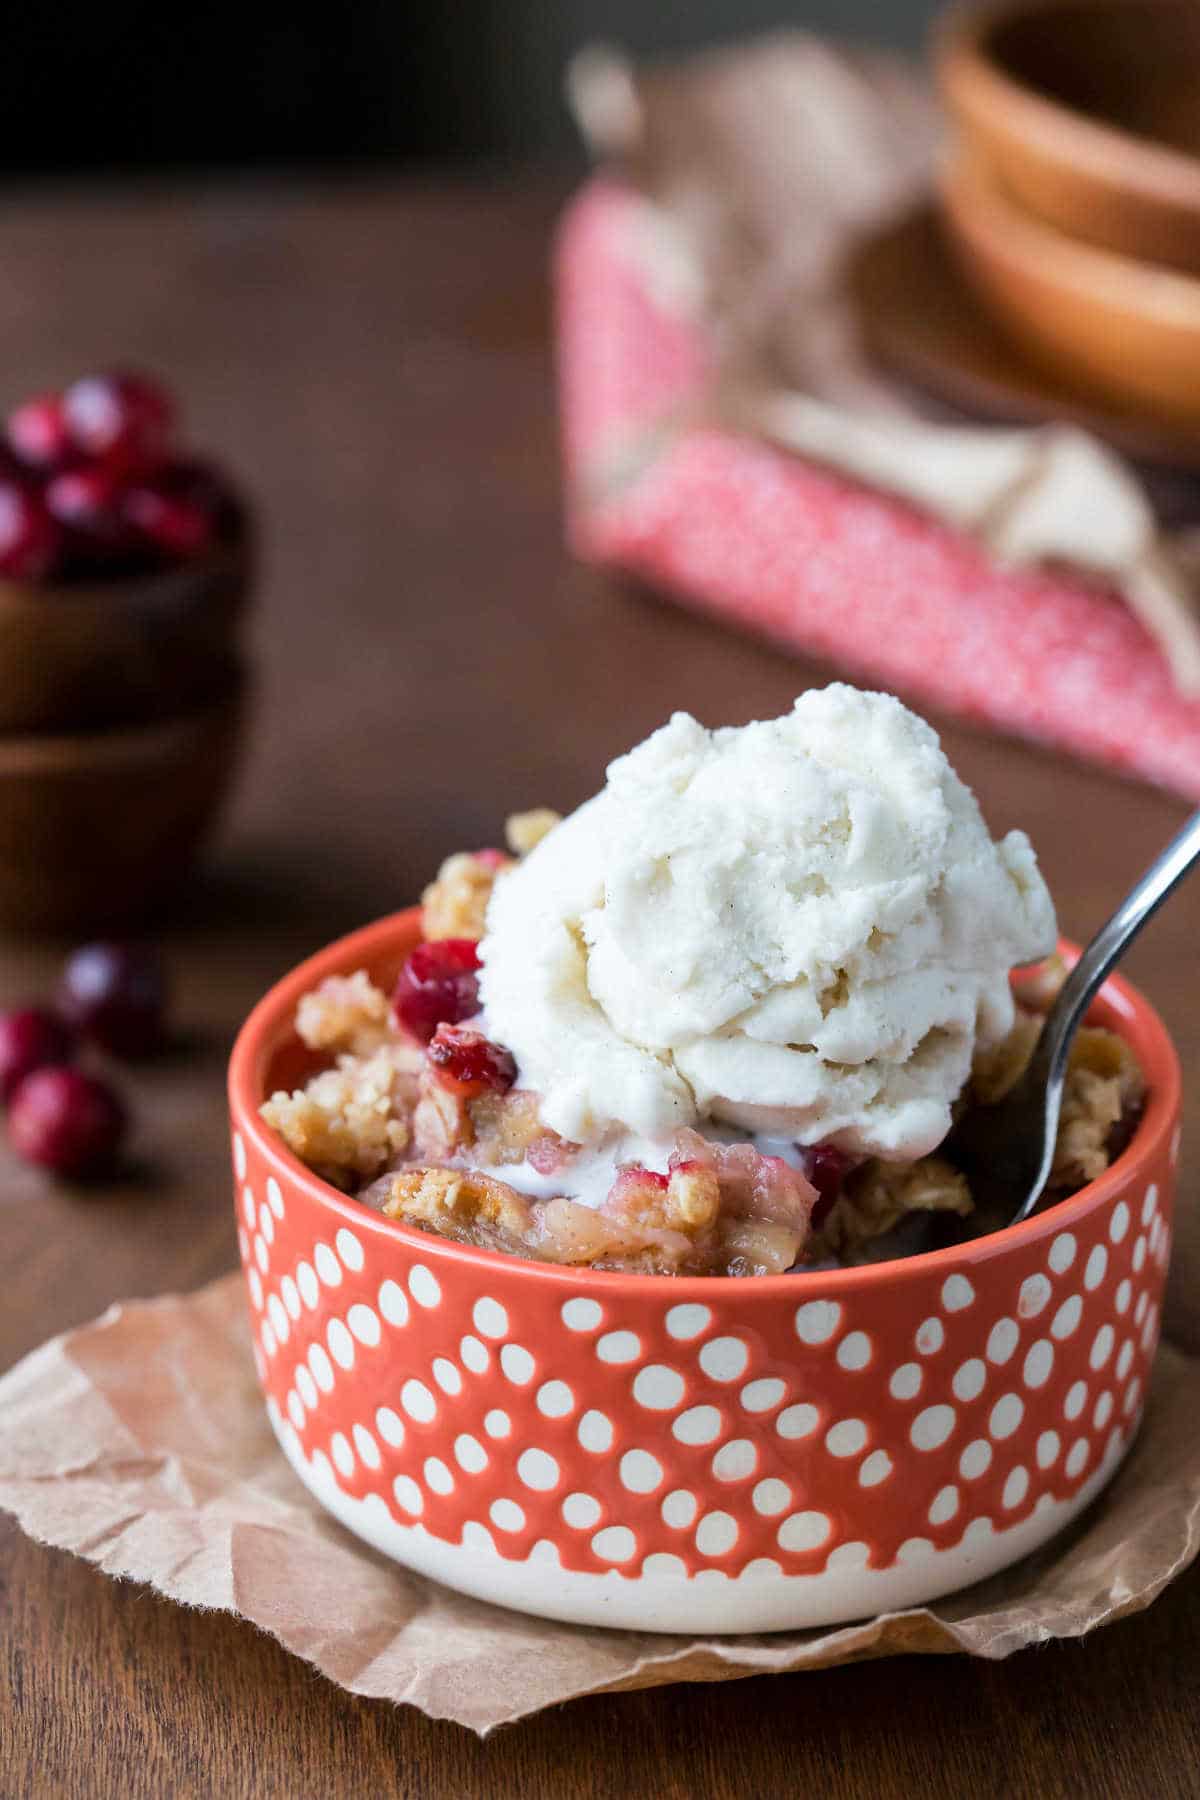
424 1117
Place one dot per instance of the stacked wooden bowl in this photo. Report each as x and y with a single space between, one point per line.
1072 199
122 706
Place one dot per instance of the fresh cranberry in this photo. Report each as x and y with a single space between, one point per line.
827 1168
115 994
66 1121
205 486
121 417
30 540
38 433
87 503
471 1062
437 985
30 1037
171 525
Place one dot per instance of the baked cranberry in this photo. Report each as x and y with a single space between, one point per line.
635 1192
634 1177
66 1121
437 985
122 417
116 995
38 434
30 1037
827 1169
492 859
30 540
548 1152
170 524
470 1062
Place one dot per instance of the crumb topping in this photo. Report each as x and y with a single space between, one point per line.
524 831
454 905
345 1013
349 1121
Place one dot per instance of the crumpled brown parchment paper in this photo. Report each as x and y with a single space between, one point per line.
763 167
140 1442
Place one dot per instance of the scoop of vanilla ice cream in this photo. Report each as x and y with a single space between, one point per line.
800 927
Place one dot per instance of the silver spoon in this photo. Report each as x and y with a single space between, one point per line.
1007 1150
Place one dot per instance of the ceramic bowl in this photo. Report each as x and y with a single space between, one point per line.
697 1455
84 656
1116 329
1086 110
98 828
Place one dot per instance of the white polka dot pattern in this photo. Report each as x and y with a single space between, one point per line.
658 1388
615 1544
470 1454
687 1322
723 1358
907 1380
821 1428
581 1511
679 1509
641 1473
817 1320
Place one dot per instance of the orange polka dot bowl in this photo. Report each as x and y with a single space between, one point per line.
707 1455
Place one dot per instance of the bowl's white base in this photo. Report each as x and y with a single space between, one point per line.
709 1602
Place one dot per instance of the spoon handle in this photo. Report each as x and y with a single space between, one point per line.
1113 938
1048 1066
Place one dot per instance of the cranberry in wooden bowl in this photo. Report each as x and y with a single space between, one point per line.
125 561
697 1453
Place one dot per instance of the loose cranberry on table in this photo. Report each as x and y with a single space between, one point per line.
30 1037
66 1121
116 996
470 1062
437 985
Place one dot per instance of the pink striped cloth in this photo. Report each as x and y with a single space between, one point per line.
817 561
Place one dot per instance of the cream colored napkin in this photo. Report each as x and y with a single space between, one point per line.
140 1443
761 168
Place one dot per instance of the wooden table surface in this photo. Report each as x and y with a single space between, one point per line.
375 361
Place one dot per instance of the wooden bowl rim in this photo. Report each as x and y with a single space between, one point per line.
128 745
229 557
980 89
1154 293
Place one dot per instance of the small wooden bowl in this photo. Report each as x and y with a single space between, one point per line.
1115 328
78 656
922 321
1088 113
97 829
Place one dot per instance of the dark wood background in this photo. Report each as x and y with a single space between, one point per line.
375 362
